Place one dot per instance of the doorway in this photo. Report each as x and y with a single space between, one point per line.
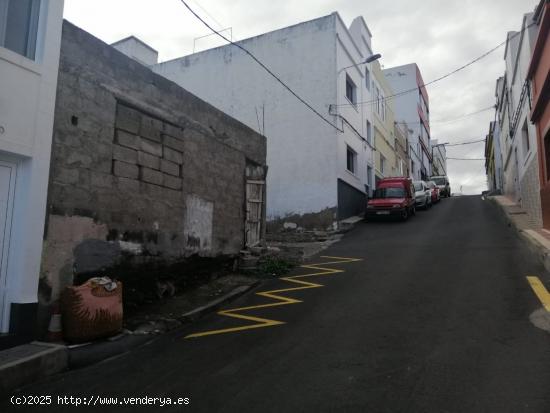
8 173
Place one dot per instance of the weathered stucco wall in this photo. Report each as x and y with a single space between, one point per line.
141 169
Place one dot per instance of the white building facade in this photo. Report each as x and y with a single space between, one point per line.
414 109
439 155
517 134
313 166
30 35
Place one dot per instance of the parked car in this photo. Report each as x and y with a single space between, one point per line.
442 183
392 197
422 195
434 192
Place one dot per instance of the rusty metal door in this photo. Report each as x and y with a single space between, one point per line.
254 211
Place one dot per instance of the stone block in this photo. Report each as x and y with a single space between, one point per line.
154 148
100 180
79 159
128 119
66 176
170 168
120 153
127 139
172 155
151 176
151 128
148 160
174 143
172 182
172 130
125 170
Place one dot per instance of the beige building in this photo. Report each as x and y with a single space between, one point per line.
383 121
402 159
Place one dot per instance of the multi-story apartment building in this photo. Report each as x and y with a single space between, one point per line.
520 165
323 169
439 157
539 76
493 158
413 108
401 132
30 35
383 116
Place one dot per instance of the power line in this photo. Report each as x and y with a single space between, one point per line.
264 67
404 92
467 159
450 119
463 116
465 143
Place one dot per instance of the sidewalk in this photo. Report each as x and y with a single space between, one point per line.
27 363
537 238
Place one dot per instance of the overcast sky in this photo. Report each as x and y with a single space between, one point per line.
438 35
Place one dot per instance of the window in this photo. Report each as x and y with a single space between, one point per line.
377 100
19 26
389 193
369 133
351 160
351 90
367 78
525 139
412 167
382 164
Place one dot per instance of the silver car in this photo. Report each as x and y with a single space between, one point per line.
422 195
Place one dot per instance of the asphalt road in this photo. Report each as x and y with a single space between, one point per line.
433 318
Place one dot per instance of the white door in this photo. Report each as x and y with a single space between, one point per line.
7 190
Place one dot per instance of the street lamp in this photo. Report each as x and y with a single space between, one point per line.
369 59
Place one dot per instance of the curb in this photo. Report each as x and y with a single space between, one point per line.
28 363
94 353
531 238
212 306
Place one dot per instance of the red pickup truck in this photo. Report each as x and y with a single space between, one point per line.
392 197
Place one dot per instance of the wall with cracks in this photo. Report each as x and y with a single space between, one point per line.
143 172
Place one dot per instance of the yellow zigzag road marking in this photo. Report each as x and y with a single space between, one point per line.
540 291
280 299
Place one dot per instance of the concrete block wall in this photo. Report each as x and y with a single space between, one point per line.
140 165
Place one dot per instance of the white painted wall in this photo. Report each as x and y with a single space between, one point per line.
305 155
517 58
406 110
137 50
353 47
26 117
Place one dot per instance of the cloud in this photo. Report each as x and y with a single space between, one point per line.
439 36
